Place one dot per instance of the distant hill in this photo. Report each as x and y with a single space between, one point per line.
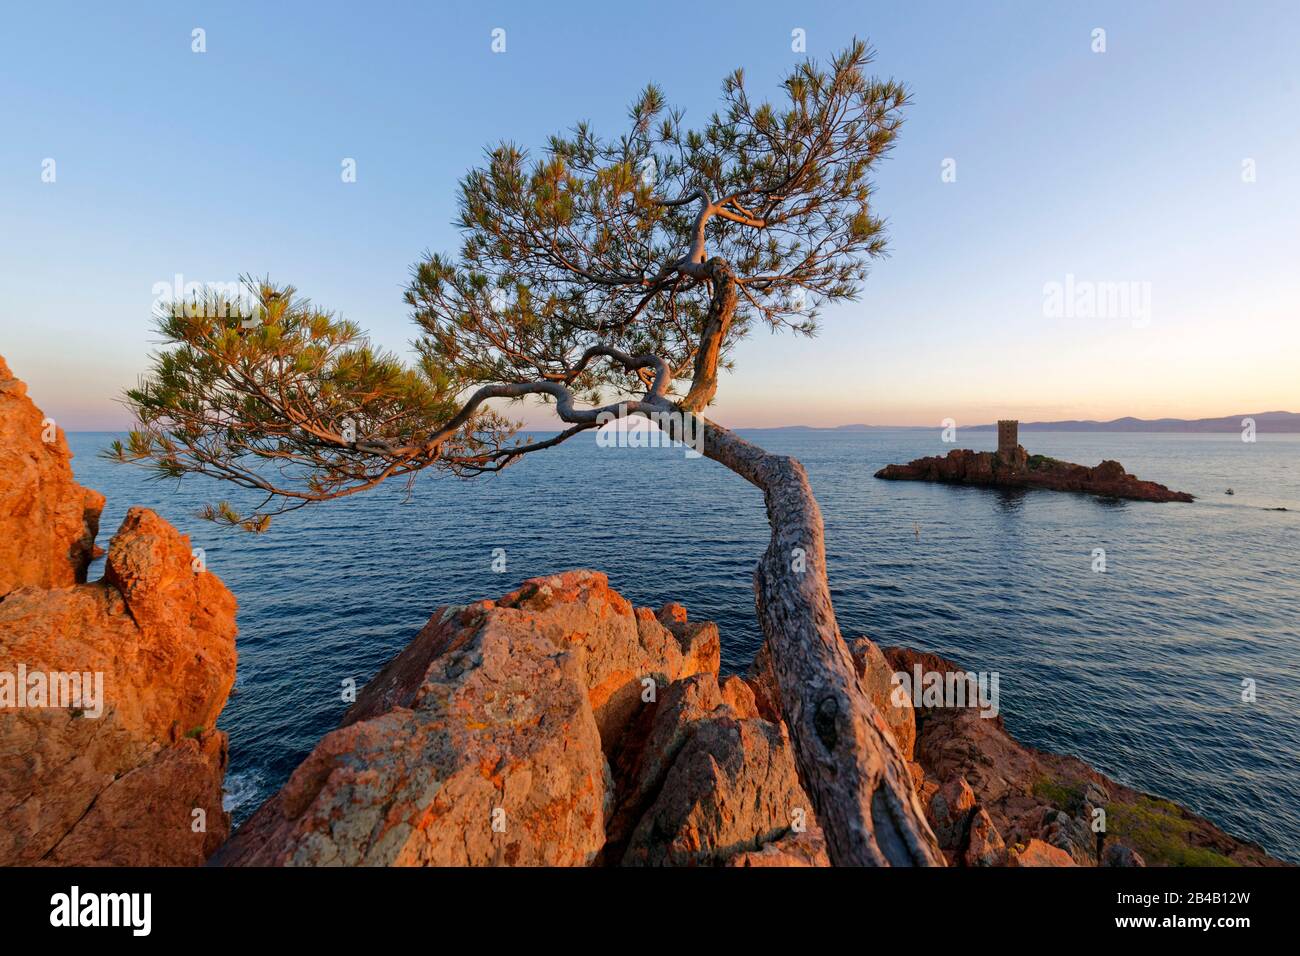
1265 422
820 428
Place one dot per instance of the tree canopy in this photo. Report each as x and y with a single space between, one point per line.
591 270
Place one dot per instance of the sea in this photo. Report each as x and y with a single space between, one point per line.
1158 642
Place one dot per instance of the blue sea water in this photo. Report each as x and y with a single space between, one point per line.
1138 670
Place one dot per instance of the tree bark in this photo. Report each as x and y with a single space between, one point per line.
861 789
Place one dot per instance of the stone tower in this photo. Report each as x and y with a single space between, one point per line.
1008 438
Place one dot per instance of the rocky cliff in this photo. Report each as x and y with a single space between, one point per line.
109 691
559 725
48 522
1022 470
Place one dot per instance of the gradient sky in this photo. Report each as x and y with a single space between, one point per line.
1122 166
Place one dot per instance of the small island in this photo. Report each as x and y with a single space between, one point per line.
1013 467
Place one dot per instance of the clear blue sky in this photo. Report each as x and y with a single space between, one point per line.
1122 166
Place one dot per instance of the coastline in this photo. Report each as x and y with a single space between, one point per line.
1021 808
887 583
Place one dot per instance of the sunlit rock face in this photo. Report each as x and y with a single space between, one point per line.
109 691
47 521
557 725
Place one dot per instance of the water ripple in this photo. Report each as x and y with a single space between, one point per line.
1138 670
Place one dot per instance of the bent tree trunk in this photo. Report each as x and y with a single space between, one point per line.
861 790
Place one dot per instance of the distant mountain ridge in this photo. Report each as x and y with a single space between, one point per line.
1275 422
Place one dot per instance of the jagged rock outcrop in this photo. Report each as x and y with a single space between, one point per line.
555 726
949 811
561 726
120 787
1038 853
109 691
984 846
478 745
995 801
1022 470
48 522
732 788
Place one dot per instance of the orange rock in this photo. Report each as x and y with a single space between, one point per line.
48 522
505 712
622 650
683 704
949 811
700 642
1038 853
166 812
732 789
739 697
402 782
672 613
984 846
132 776
896 710
167 659
544 685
